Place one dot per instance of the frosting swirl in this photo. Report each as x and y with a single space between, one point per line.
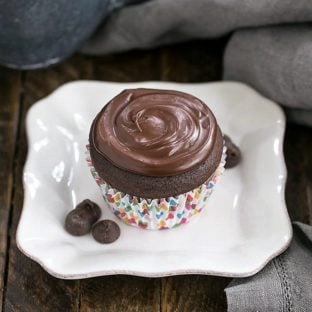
154 132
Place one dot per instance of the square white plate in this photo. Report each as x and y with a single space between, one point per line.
244 225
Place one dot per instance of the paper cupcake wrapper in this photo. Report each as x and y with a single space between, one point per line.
157 214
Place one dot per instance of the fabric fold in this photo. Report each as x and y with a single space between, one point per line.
157 22
274 60
285 284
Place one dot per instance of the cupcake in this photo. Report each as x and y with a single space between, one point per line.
156 155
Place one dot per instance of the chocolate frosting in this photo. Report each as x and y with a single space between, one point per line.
154 132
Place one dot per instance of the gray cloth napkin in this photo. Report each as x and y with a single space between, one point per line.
277 61
285 284
158 22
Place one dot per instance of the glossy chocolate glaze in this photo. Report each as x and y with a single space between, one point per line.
157 187
154 132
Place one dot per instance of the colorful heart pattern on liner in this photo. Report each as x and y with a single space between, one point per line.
156 214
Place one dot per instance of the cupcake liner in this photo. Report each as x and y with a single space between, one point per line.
157 214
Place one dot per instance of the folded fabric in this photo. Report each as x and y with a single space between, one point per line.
158 22
277 61
285 284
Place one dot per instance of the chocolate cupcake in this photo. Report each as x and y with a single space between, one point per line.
156 154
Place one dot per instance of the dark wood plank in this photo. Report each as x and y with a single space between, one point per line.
129 67
120 293
198 61
298 156
9 113
29 287
193 293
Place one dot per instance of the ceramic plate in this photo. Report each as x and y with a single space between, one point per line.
244 225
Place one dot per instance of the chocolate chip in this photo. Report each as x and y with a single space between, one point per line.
80 220
106 231
233 154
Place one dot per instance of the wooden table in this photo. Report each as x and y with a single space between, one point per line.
24 285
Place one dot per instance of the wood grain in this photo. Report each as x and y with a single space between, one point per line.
298 156
128 67
193 293
200 61
120 293
9 114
